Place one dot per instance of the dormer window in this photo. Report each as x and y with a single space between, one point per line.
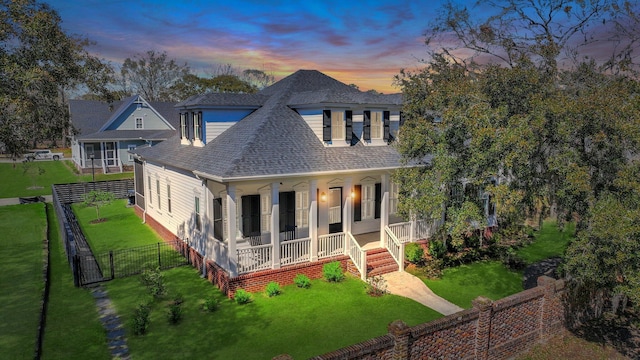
183 126
197 126
337 125
139 124
376 125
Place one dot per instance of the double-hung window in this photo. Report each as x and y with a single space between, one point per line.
376 125
139 124
131 148
337 125
158 193
149 186
197 125
183 126
169 198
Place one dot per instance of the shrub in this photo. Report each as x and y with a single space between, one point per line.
302 281
511 260
242 297
273 289
437 250
174 315
414 253
210 304
154 281
140 320
376 286
333 271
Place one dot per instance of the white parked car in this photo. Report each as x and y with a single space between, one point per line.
43 155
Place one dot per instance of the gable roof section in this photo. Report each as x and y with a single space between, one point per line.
126 104
274 140
90 117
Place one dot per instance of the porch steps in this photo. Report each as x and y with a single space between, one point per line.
380 261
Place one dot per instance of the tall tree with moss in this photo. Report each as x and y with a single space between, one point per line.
538 127
39 64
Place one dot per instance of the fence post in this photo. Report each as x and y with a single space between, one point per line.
400 332
76 270
159 261
483 332
113 270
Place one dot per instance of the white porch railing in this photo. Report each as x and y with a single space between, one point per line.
402 231
357 255
426 228
330 245
295 251
395 247
254 258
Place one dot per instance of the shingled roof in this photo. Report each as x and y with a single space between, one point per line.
275 140
89 116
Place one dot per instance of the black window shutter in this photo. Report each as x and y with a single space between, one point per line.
378 200
401 118
357 203
217 219
349 124
367 125
386 116
326 125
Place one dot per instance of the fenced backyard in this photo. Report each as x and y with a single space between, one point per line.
89 267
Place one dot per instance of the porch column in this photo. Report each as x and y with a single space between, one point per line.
313 218
275 223
384 206
347 214
231 230
412 229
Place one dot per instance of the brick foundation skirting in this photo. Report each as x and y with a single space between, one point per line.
253 282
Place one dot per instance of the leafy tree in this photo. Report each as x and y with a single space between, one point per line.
534 134
39 63
257 78
32 170
151 75
98 199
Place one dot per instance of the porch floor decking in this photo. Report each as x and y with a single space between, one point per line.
368 241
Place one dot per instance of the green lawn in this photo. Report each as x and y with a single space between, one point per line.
549 242
122 230
300 322
23 229
461 284
73 330
17 183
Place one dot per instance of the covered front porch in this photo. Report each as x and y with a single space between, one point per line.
257 257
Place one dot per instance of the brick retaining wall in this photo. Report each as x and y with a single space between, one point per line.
490 330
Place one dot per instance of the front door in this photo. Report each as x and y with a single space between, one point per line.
335 210
287 203
111 154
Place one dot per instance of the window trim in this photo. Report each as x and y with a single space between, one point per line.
183 126
196 210
141 122
158 194
168 197
131 147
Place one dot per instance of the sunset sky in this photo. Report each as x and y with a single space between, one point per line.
361 42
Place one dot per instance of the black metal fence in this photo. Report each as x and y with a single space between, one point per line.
127 262
89 268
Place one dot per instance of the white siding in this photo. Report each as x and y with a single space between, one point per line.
181 220
213 129
315 123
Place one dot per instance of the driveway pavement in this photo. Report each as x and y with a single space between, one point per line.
407 285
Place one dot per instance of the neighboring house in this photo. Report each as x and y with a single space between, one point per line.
106 132
294 174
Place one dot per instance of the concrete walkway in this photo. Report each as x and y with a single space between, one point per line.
407 285
16 201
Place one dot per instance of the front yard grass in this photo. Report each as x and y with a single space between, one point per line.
461 284
491 279
299 322
122 230
15 183
21 259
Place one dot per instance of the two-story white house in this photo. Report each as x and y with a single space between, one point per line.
106 132
292 176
